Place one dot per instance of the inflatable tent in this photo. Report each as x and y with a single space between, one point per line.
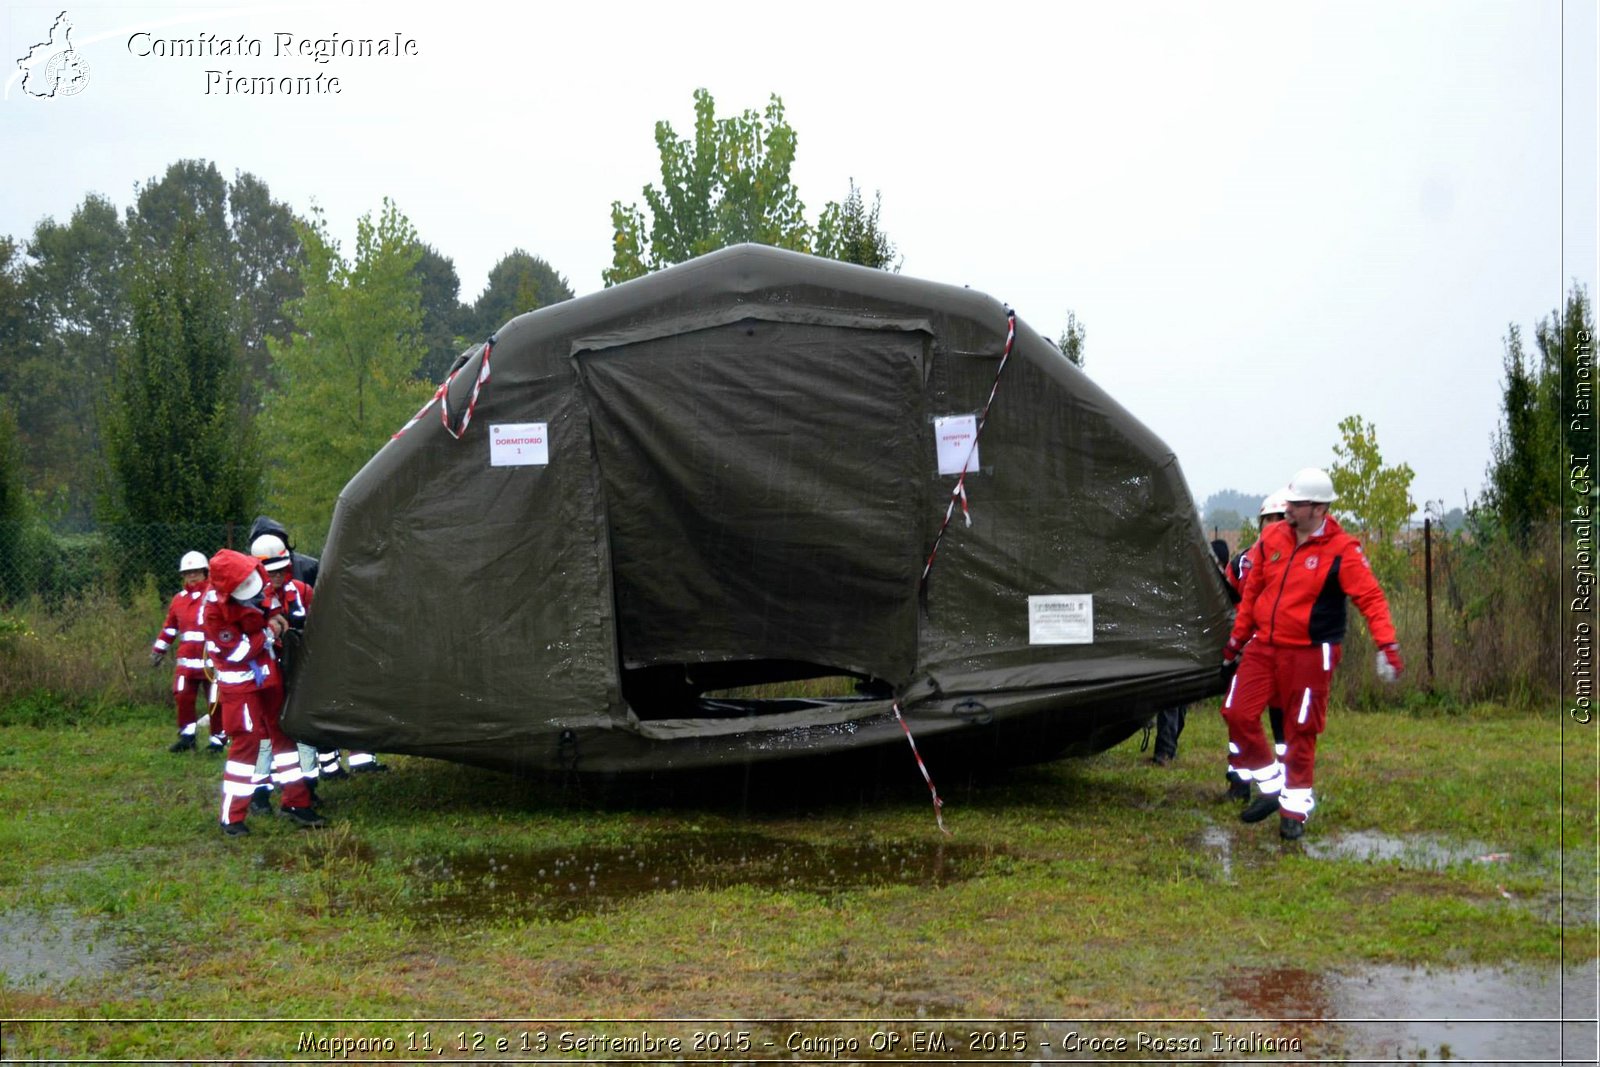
737 471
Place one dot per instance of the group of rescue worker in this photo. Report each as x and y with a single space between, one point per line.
1292 585
231 625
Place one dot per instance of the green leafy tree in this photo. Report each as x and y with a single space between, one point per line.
1072 340
183 459
443 315
76 299
14 508
1374 499
850 232
518 283
345 380
726 185
253 238
1537 431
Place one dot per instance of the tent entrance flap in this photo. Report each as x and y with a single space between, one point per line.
764 486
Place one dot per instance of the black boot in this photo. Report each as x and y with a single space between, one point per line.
1260 808
184 743
261 801
1291 829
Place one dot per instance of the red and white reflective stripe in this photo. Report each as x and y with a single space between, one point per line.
1327 657
472 401
938 805
192 664
959 493
1305 706
240 677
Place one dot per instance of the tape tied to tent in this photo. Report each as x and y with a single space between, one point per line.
938 805
959 493
472 401
441 396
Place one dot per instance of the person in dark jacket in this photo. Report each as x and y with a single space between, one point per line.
302 568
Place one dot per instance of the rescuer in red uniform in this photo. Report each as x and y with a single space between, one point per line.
182 628
1289 628
1236 571
239 638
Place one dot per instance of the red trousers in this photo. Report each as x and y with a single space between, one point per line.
1295 678
251 717
186 694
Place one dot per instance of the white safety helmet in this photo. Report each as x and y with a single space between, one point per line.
1276 503
193 561
248 588
1310 483
271 551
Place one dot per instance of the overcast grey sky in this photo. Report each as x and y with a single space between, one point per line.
1268 216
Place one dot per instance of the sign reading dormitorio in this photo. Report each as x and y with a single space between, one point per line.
519 444
277 64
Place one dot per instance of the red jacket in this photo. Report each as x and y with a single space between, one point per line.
237 636
182 627
1295 594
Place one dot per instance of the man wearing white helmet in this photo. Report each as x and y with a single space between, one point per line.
1286 642
1272 509
182 628
240 626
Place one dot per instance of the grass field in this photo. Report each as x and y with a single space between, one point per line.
1093 889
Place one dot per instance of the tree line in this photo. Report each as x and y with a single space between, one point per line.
209 351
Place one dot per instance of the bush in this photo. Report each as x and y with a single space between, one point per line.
82 653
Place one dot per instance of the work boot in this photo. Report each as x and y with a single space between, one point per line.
1238 789
305 818
1259 808
261 801
219 743
1161 759
370 768
184 743
1291 829
235 829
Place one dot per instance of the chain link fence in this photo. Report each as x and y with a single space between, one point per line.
44 565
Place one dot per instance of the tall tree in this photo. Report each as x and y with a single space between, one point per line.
345 379
265 244
850 232
13 507
443 316
1538 429
76 301
183 461
1373 498
729 184
518 283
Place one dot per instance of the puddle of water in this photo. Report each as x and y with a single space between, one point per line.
1250 845
564 883
1486 1014
39 951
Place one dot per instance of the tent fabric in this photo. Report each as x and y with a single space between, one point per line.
741 482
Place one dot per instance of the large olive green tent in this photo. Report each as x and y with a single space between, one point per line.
729 473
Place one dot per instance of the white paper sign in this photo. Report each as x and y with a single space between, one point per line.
1061 620
956 435
519 444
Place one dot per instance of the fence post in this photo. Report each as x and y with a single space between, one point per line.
1427 585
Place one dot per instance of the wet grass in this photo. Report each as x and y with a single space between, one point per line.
1095 888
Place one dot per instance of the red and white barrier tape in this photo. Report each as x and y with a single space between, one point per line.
938 805
472 401
441 396
959 493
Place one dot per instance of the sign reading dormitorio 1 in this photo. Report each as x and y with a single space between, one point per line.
519 444
276 64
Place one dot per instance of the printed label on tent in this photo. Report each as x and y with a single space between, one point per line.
519 444
1061 620
956 435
